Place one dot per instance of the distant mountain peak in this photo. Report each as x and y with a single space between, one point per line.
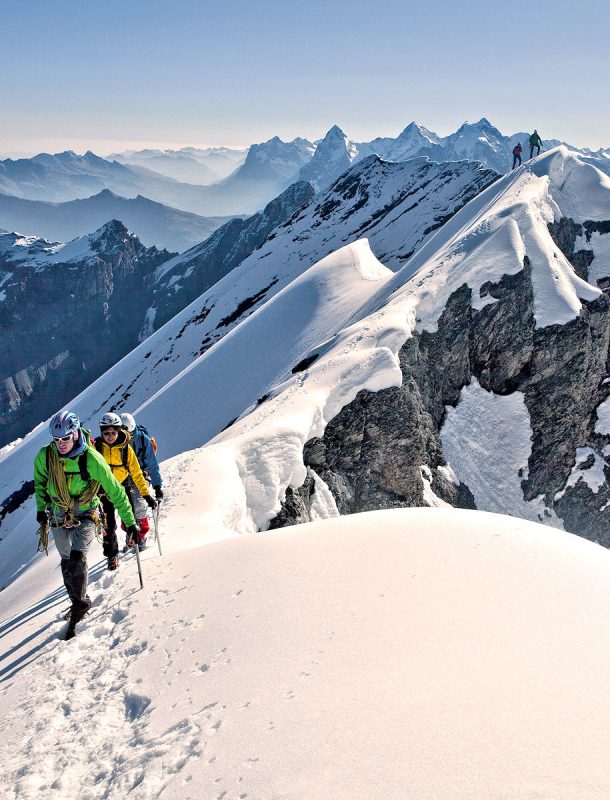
335 131
113 226
415 130
107 194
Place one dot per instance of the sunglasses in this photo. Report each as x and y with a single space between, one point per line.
106 431
67 438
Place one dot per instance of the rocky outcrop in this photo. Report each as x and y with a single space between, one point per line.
66 322
384 449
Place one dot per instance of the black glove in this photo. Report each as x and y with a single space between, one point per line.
133 533
41 517
150 501
158 492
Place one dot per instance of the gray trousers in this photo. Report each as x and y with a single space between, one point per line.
70 539
72 545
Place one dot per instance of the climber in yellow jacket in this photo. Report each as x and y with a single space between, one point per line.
114 446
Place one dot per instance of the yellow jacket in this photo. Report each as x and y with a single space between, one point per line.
122 460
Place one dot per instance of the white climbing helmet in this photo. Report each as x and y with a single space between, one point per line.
110 420
128 422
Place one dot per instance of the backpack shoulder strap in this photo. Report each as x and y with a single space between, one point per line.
82 467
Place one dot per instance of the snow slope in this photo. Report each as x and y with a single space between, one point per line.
350 345
424 653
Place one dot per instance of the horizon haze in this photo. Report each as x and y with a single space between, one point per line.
112 77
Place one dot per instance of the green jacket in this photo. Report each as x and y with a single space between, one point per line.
535 140
98 470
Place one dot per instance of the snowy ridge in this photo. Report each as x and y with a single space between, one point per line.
293 663
494 233
39 252
291 392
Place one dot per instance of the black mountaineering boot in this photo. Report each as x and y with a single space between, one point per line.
75 578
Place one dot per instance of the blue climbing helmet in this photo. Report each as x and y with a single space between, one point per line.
64 423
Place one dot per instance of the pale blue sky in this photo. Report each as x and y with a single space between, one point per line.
110 74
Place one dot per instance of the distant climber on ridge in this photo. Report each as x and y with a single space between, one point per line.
517 150
535 141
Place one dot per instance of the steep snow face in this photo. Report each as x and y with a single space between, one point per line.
498 229
180 280
270 345
396 206
496 472
293 663
306 386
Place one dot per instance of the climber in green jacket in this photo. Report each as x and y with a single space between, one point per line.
535 141
68 474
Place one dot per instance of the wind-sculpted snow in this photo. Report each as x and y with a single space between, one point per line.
308 312
278 374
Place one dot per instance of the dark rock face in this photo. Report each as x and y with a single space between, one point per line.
204 265
66 323
378 450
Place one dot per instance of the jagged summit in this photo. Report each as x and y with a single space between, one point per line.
334 154
414 130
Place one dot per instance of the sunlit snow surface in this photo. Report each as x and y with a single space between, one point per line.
347 313
415 653
487 441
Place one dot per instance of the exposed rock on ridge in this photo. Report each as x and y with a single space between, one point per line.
384 449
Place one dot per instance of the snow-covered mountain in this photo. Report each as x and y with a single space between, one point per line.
478 141
67 313
399 206
334 154
344 387
413 142
474 375
154 223
182 279
250 181
150 299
